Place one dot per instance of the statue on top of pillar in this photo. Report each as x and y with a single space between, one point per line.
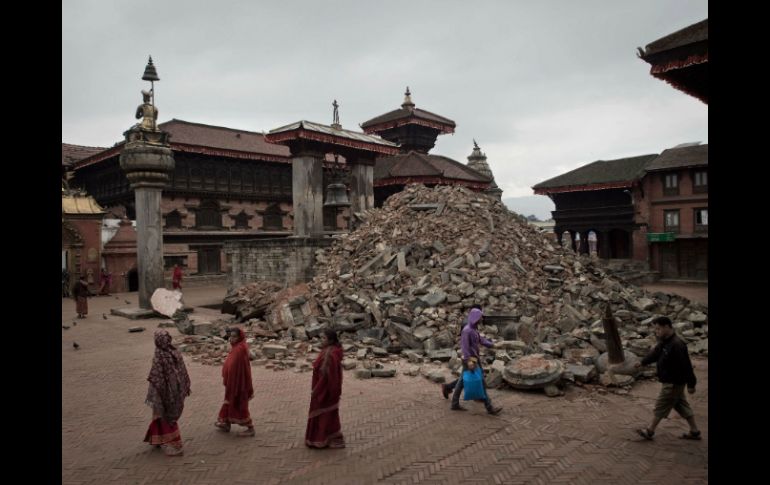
147 112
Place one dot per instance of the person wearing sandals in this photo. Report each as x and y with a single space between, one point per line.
169 386
674 372
236 377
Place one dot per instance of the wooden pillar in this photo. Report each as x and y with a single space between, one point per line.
361 187
307 193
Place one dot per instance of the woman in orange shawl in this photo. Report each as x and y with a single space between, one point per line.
323 423
236 376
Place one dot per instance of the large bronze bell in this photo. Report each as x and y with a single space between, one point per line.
336 195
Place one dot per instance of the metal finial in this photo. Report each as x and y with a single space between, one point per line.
407 104
150 74
475 145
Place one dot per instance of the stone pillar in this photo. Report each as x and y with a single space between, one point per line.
147 161
361 187
307 194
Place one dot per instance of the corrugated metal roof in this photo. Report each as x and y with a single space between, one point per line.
328 130
79 204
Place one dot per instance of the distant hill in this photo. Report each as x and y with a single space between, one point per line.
539 205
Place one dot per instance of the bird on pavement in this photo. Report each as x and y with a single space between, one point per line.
65 327
75 344
104 316
128 302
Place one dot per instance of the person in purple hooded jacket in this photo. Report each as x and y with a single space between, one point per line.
469 345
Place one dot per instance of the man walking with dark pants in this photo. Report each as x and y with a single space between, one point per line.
674 372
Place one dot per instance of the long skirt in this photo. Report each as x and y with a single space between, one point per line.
81 305
165 435
231 414
324 428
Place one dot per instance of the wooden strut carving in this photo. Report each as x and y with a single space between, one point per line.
614 347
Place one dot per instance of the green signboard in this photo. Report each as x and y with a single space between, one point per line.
660 236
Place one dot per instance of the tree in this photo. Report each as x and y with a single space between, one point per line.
533 218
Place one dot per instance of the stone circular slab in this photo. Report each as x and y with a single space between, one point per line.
533 372
627 368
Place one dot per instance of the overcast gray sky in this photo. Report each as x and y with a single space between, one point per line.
543 86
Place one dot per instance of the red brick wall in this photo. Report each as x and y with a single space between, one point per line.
653 186
87 260
686 207
119 265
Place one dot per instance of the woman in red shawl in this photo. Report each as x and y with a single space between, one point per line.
323 423
169 386
176 278
236 376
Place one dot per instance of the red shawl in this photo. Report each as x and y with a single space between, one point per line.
327 381
177 277
236 374
169 381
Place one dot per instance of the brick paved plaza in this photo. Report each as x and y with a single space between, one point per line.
398 430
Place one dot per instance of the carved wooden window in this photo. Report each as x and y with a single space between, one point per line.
242 220
223 181
248 180
272 218
285 182
208 215
181 171
209 177
174 220
196 178
235 178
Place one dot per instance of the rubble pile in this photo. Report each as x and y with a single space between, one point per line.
402 283
250 301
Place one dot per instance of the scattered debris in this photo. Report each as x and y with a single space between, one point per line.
400 286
